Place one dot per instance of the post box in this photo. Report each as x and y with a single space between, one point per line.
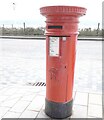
61 37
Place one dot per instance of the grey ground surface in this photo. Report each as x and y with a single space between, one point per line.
23 61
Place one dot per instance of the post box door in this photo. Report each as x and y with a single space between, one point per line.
57 68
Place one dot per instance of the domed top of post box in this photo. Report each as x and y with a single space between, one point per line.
62 20
63 10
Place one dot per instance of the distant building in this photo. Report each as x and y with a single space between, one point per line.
0 31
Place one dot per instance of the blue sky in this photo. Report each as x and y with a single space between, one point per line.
28 11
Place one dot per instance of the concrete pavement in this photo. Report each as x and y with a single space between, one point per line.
28 102
23 62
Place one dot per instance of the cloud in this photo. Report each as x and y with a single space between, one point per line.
28 10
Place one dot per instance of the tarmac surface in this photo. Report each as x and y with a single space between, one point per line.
23 62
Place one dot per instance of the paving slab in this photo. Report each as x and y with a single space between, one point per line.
95 111
11 115
20 106
3 111
95 99
79 111
81 98
10 103
37 103
42 114
28 114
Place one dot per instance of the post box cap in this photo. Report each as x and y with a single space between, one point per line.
63 10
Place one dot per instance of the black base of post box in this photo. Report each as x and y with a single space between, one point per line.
58 110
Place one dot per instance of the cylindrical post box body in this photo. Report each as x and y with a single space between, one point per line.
61 37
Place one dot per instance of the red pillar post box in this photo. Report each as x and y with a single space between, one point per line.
61 36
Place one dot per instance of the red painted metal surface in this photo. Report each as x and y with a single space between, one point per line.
62 22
